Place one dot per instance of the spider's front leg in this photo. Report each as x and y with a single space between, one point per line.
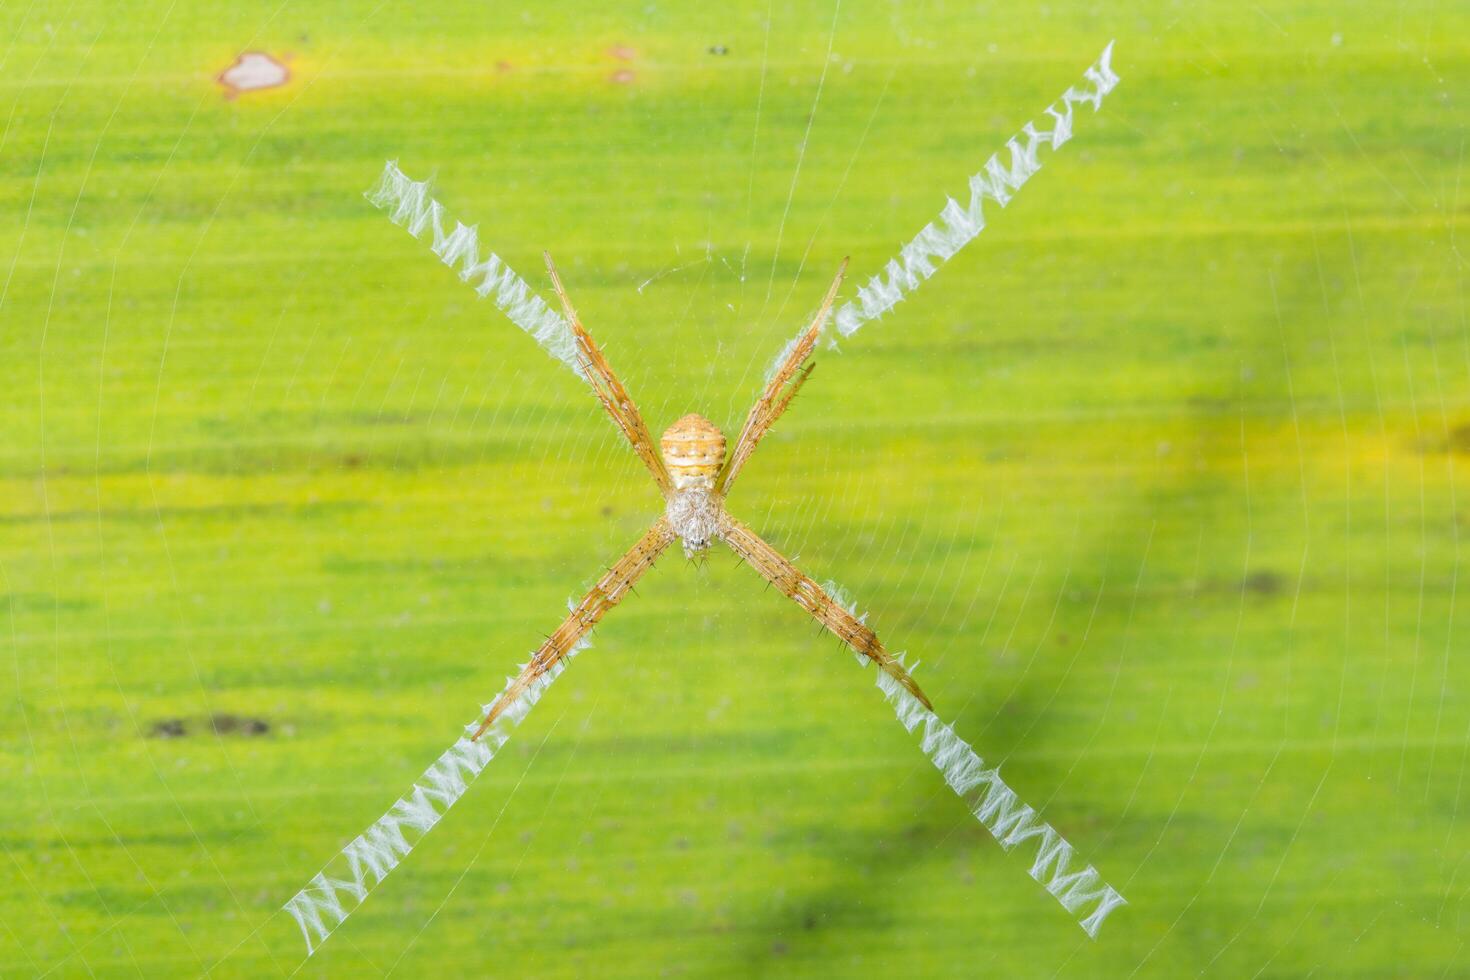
608 592
777 569
615 399
782 387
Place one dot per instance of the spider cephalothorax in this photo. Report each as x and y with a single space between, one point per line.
693 451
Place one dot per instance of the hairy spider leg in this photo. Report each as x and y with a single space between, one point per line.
777 396
779 571
610 391
603 596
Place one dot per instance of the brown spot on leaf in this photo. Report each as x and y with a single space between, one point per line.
1263 583
167 728
238 725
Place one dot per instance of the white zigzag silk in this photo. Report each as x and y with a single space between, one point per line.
339 888
956 225
409 204
1083 893
992 802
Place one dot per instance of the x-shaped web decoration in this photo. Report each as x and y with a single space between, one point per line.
694 474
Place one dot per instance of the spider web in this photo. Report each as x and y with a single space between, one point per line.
335 892
1156 479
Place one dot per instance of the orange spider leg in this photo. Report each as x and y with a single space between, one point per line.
774 400
610 391
775 568
608 592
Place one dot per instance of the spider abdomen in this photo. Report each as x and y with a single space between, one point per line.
693 450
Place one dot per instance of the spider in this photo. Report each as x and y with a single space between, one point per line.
694 474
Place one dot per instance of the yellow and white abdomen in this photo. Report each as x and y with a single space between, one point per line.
694 451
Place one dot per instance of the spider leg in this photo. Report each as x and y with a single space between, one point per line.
610 391
608 592
776 397
777 570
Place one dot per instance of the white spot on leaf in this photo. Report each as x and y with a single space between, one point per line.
252 71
